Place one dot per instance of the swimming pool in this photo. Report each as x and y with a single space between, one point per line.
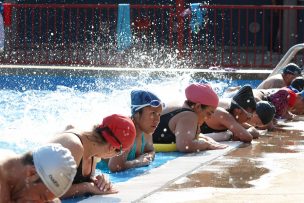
48 101
36 104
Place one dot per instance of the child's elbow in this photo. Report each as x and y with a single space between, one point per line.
114 168
247 139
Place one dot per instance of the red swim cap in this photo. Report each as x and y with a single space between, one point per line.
292 97
202 94
122 128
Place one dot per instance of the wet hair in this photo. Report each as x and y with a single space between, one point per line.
38 181
204 106
96 134
232 107
27 158
190 103
139 112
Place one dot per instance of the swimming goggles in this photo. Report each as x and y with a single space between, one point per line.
153 103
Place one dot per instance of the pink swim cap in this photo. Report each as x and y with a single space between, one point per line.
202 94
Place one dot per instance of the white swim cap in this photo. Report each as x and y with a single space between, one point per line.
55 166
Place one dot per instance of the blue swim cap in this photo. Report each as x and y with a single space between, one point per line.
141 99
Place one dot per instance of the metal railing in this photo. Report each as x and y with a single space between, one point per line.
85 35
287 58
245 35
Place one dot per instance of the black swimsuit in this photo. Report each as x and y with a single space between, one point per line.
206 129
79 178
162 133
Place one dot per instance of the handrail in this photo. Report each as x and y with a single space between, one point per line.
97 6
260 7
290 54
166 26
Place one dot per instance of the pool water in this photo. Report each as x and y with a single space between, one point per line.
49 103
34 108
160 159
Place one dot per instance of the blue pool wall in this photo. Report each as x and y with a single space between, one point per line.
83 79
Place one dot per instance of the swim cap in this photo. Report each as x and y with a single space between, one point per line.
293 69
142 98
292 97
280 100
266 111
298 83
244 97
122 131
202 94
55 166
293 89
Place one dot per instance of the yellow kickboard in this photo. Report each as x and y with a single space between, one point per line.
165 147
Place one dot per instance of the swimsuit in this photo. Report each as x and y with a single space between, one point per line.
132 153
79 178
162 133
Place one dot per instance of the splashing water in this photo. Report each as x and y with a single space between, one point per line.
34 108
29 117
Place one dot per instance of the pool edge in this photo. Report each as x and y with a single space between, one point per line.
135 189
117 71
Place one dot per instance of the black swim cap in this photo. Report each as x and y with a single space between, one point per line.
244 97
266 111
298 83
293 69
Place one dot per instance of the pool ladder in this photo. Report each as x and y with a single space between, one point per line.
290 54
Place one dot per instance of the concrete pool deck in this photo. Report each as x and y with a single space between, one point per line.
284 184
142 186
284 187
